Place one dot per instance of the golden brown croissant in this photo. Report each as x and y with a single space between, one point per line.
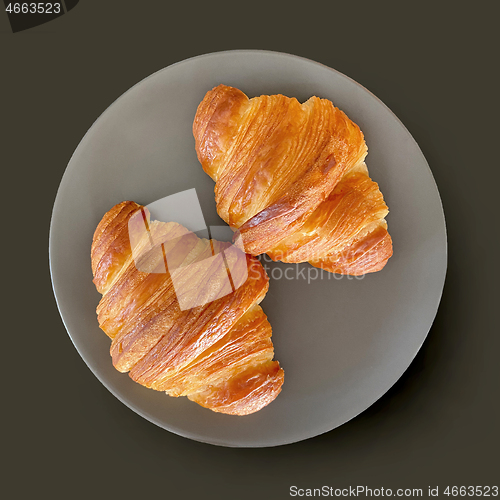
183 313
291 179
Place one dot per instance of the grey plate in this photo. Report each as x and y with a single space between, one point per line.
342 342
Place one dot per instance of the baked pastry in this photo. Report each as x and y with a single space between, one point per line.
182 312
291 180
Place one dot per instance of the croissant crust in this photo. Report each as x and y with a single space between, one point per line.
218 352
291 179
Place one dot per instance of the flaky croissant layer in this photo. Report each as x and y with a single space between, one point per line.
291 179
183 313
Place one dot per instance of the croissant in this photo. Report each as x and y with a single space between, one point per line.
182 312
291 180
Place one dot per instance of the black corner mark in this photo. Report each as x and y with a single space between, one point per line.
27 14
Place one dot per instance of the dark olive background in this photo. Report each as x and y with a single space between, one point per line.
435 65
